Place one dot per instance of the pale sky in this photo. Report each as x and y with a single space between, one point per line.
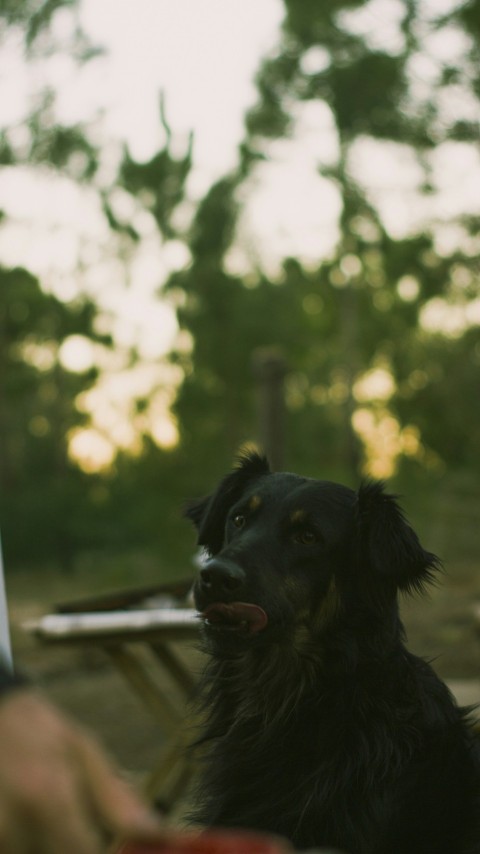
203 56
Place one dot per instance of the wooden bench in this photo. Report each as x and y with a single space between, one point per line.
124 634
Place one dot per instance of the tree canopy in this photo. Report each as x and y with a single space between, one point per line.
380 332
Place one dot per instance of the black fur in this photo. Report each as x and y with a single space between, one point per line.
321 726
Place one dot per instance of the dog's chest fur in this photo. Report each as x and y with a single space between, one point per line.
304 752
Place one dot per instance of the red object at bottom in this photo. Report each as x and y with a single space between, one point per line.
210 843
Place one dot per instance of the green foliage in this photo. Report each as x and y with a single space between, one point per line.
34 17
41 492
34 14
159 182
469 14
371 106
443 396
362 310
66 148
214 224
269 118
311 22
365 319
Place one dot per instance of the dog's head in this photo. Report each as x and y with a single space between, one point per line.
288 553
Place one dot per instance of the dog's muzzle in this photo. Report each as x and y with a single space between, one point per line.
219 585
220 579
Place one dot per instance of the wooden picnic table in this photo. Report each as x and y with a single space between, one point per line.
125 635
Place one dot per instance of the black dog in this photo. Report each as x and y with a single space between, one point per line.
322 727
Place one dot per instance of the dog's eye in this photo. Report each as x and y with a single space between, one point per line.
239 521
307 537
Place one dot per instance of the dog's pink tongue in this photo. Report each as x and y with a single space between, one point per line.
241 614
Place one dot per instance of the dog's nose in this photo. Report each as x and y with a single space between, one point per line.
219 578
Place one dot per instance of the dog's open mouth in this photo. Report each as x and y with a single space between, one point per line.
236 616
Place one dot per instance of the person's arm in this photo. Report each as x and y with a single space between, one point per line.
58 791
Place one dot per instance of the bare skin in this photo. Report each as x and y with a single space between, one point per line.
58 792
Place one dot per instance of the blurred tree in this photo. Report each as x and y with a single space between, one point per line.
33 19
49 507
161 180
381 337
363 334
42 494
43 139
45 511
365 62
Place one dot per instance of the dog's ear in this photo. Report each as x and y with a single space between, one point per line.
209 514
388 543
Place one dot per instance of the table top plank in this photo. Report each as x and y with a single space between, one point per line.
142 624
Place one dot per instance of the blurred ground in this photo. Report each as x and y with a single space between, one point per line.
440 626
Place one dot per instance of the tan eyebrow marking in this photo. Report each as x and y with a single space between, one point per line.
254 502
298 516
